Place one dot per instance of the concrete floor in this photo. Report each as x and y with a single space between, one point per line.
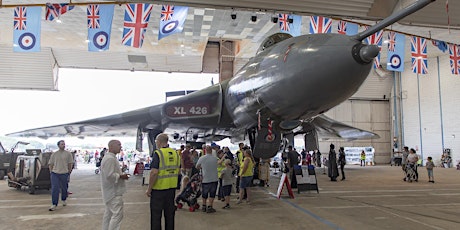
372 197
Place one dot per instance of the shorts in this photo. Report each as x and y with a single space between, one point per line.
245 181
227 189
209 189
430 172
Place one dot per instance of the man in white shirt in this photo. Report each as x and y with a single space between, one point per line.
113 187
60 165
412 159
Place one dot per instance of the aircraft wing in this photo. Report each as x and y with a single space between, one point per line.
198 116
330 128
123 124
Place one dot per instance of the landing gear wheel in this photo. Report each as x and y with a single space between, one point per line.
96 171
179 206
196 206
191 209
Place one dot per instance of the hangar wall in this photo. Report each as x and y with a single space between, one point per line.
430 110
369 114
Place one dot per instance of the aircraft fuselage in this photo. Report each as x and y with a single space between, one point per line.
297 78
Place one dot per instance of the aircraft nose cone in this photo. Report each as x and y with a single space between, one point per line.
368 53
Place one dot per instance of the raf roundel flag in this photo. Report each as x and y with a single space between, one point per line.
26 26
395 59
99 19
174 22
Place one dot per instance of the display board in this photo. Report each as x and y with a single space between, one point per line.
306 179
353 154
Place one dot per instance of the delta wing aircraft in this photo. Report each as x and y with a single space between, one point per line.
285 88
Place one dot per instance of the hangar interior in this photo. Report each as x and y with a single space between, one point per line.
405 109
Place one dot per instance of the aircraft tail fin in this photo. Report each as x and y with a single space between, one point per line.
393 18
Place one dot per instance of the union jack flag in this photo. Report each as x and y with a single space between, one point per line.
166 12
320 25
136 21
376 39
284 22
392 41
342 27
454 53
55 10
93 16
419 56
20 18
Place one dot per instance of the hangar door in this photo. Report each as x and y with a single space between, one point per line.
33 70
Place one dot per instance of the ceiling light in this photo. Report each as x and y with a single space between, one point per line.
253 18
233 15
290 20
275 19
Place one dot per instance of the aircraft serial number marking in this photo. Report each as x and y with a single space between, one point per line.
187 110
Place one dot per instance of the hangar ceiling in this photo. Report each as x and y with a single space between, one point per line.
209 20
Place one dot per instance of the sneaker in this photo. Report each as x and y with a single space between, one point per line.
210 209
238 202
64 203
52 208
248 202
227 206
203 208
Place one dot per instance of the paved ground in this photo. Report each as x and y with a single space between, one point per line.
373 197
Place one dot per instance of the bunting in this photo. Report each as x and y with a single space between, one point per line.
320 25
441 45
347 28
135 24
454 53
172 20
283 20
56 10
293 27
26 29
419 55
376 39
395 57
99 19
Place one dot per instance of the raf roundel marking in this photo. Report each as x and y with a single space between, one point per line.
100 39
27 41
395 61
170 26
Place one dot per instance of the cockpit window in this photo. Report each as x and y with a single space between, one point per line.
273 39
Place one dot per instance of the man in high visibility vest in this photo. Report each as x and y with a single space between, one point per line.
163 183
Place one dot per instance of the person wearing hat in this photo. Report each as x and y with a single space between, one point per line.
215 148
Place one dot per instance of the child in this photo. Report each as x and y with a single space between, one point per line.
429 168
183 184
227 181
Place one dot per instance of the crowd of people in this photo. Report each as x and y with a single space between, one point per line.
215 167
